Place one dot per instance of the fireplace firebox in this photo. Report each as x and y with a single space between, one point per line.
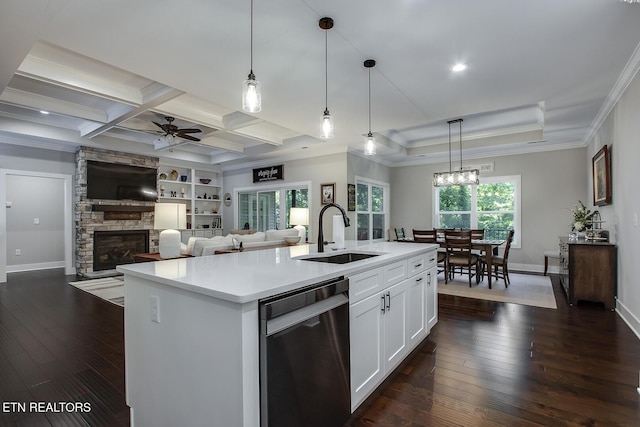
112 248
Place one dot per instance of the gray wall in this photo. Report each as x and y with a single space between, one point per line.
552 182
36 159
620 133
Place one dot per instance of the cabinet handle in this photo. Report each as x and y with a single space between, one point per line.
419 265
419 279
429 278
384 305
388 301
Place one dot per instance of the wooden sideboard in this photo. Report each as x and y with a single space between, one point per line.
588 271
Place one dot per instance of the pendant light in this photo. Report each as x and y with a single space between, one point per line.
251 90
326 124
369 142
459 177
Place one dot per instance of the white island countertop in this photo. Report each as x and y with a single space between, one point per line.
252 275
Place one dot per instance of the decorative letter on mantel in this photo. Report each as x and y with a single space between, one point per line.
270 173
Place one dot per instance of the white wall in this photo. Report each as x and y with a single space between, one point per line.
552 182
621 132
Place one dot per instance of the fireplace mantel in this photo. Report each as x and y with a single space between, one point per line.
121 208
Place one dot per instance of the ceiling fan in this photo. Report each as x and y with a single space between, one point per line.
172 131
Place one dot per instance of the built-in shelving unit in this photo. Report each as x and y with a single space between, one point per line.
199 189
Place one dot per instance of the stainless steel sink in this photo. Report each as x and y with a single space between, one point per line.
342 258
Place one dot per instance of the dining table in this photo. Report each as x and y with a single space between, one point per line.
487 246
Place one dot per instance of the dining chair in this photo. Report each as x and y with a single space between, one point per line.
400 233
477 234
430 236
501 263
458 254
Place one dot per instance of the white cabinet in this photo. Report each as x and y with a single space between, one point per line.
432 298
366 334
200 190
416 316
378 339
390 315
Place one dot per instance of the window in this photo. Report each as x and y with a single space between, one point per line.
372 209
263 210
493 205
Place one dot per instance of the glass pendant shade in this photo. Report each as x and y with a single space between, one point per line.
370 145
326 130
169 139
251 94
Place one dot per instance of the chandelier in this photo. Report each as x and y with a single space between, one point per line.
460 176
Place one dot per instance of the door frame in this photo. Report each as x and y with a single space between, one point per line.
69 268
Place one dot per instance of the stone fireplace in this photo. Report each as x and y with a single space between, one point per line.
94 217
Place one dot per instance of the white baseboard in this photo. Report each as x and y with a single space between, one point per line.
629 318
35 266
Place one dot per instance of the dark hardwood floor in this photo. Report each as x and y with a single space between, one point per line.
484 364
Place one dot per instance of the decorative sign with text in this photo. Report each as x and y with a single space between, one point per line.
270 173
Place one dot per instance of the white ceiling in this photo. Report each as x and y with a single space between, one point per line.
541 75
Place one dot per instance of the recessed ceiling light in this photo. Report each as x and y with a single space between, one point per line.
44 112
459 67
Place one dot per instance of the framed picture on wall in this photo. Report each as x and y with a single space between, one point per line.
327 193
601 177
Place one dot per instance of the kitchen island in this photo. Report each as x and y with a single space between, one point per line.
191 326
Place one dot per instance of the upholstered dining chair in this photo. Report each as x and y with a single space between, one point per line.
501 263
430 236
458 247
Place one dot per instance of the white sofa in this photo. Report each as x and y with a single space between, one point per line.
200 246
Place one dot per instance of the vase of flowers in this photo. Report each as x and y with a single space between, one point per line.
582 217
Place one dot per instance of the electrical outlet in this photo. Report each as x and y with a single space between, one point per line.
18 252
155 309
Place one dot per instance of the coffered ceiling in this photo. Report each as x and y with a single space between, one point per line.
541 75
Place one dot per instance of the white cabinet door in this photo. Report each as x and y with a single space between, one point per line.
416 317
395 325
432 298
366 334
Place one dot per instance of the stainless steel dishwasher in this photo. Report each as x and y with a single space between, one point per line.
304 357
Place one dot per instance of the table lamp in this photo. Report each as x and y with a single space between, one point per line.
168 218
300 217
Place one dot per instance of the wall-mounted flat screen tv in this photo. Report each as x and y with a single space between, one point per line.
113 181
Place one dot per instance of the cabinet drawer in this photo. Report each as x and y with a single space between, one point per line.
421 262
364 284
394 273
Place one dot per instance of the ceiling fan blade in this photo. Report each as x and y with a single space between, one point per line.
189 137
189 130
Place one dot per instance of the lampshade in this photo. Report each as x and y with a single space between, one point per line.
168 217
299 217
460 176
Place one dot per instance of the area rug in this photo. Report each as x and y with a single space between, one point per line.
525 289
109 288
